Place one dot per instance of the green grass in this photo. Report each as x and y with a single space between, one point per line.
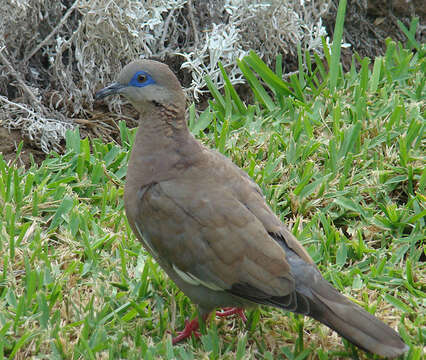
340 158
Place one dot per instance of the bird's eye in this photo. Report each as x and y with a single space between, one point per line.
142 78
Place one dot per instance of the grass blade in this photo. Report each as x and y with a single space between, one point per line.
336 47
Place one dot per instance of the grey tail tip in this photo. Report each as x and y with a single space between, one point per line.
401 351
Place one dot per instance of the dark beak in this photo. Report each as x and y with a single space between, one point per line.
114 88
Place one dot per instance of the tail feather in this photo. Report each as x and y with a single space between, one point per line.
355 324
348 319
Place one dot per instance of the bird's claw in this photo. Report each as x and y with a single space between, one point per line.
232 311
191 327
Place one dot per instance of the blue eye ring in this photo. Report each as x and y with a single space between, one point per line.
141 79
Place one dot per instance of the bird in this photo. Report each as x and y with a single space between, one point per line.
209 227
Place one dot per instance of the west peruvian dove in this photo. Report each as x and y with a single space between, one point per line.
207 223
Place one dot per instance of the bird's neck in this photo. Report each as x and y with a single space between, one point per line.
163 144
162 129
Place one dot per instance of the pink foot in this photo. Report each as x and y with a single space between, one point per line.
232 311
191 327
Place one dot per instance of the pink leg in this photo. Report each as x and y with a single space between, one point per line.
191 327
232 311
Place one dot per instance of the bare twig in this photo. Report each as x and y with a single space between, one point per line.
287 76
18 77
192 20
48 37
166 28
4 99
30 112
88 123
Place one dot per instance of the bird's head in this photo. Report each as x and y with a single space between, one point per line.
146 82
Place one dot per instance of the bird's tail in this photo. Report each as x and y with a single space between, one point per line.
315 297
354 323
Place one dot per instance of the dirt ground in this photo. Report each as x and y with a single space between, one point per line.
9 142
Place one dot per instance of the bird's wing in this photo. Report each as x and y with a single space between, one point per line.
200 226
250 194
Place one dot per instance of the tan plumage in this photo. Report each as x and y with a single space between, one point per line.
208 225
